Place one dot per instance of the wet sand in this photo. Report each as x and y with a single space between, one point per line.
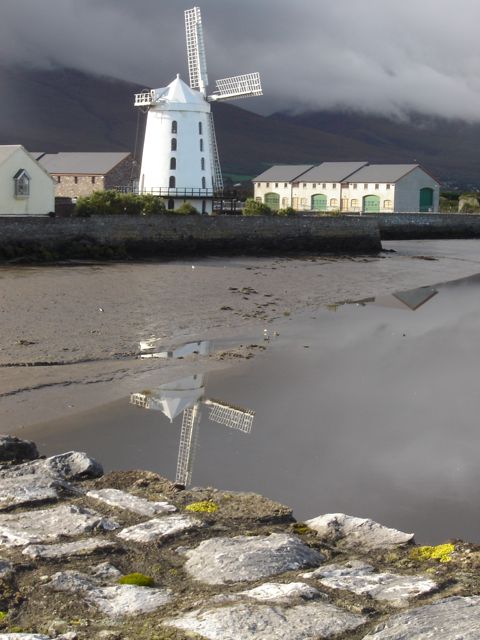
83 324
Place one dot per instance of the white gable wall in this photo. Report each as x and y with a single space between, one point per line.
407 191
41 199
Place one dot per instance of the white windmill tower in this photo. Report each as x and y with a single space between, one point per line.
185 396
180 157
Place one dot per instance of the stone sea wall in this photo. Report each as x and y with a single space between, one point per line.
424 226
129 555
168 236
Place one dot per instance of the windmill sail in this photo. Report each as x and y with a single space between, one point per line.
188 444
230 415
215 159
197 62
245 86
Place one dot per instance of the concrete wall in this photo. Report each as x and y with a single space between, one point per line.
41 199
174 236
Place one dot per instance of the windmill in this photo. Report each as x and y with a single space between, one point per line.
180 157
185 397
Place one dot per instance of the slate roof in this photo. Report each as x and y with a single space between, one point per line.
77 163
332 171
383 172
283 173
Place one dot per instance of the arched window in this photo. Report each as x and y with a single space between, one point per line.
204 183
173 163
201 144
171 204
202 162
200 128
387 205
354 206
334 203
174 126
171 182
174 144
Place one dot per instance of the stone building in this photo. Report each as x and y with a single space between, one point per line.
81 173
25 187
348 187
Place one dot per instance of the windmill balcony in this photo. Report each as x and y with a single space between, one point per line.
171 192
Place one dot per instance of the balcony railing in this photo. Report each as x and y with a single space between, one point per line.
170 192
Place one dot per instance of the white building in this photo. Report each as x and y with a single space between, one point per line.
348 187
26 188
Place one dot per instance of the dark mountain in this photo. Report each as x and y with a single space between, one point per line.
66 110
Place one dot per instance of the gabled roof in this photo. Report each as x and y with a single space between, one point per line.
332 171
383 172
8 150
283 173
77 162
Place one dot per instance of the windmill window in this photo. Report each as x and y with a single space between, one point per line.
174 126
174 144
22 184
173 163
202 163
200 128
201 144
171 182
204 183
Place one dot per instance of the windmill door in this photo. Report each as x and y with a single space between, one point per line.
371 204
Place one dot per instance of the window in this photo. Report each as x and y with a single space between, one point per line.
303 202
259 184
59 178
324 186
387 205
174 126
93 179
304 185
377 186
171 204
173 164
354 186
365 186
284 202
344 204
200 128
202 164
174 144
201 144
314 185
334 203
387 186
22 184
334 186
285 184
258 199
354 204
204 183
268 184
276 185
75 179
171 182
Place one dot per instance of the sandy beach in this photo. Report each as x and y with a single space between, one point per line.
70 334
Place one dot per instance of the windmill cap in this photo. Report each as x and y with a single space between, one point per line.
178 95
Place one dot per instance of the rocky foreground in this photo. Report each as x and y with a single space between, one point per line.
129 555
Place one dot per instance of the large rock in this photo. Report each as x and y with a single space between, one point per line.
82 547
33 489
281 592
159 528
16 450
449 619
361 578
50 525
114 601
124 500
245 558
73 465
255 622
357 532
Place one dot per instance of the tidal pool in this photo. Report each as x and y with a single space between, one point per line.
369 408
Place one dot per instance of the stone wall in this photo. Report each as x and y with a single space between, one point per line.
172 235
419 226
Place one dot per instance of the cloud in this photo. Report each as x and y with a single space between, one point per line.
373 56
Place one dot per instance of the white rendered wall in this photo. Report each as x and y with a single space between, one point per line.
157 152
407 196
41 199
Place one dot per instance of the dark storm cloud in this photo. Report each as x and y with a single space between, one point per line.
371 55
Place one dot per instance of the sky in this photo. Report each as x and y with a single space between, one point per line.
374 56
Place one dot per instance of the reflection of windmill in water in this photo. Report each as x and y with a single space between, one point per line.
186 396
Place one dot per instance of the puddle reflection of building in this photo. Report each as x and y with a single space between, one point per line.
410 299
186 396
148 349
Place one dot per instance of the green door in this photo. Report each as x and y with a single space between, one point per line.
272 200
426 199
371 204
319 202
